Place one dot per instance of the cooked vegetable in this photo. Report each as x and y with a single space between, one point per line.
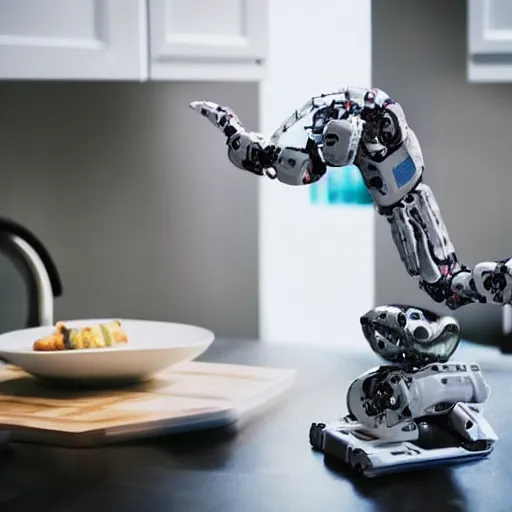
97 336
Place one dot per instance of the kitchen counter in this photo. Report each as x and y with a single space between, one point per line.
265 464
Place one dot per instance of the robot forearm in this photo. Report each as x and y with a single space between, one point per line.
427 252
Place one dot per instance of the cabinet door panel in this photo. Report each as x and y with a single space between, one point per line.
490 26
78 39
194 35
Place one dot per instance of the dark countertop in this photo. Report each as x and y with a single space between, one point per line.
265 465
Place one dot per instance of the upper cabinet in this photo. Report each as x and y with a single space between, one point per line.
205 40
134 40
490 41
73 40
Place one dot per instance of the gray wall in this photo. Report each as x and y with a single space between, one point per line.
135 199
419 58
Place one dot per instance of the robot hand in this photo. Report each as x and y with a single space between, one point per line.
246 150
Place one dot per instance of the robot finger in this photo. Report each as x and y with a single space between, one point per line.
205 107
219 116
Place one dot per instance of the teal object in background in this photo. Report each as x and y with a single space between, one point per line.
341 186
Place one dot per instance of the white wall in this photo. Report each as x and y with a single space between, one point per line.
316 263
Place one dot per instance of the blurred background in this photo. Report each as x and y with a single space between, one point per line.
134 198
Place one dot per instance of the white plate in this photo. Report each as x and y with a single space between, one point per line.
151 347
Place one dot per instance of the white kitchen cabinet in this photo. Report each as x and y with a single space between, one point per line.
205 40
73 40
490 41
133 39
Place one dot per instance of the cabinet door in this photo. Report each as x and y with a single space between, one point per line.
77 39
490 40
207 40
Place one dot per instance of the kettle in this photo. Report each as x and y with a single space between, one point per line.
39 272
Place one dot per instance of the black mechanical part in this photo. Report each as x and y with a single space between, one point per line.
316 436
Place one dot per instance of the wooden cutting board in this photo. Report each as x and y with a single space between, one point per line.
189 396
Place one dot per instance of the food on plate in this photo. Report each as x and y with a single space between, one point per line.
94 336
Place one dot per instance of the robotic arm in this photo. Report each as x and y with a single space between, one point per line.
366 127
333 138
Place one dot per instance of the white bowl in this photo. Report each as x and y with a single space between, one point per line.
151 347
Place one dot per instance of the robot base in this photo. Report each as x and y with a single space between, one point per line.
420 410
348 441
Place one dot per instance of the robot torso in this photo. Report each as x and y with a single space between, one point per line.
390 173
